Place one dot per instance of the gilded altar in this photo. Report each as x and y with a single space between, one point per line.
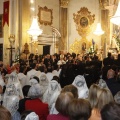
83 20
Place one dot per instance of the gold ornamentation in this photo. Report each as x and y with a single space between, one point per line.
83 20
80 46
64 3
103 3
12 38
45 16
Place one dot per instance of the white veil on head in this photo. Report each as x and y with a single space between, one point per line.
23 79
32 116
81 85
102 84
117 97
11 98
33 81
12 104
13 79
52 91
44 81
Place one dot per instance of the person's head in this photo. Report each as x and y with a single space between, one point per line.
33 65
11 103
56 78
72 89
102 84
35 77
25 90
4 114
110 74
109 54
29 115
119 56
35 91
117 97
79 109
104 98
62 102
94 93
111 111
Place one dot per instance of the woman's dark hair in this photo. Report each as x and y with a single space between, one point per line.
25 113
25 90
4 114
111 111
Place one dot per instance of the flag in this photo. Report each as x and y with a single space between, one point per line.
6 13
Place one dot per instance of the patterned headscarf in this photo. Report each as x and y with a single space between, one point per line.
52 92
11 99
81 85
44 81
102 84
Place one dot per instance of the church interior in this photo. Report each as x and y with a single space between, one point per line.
65 25
59 59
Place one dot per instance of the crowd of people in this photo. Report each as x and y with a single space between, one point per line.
60 87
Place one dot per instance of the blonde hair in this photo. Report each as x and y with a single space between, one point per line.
71 88
104 98
94 93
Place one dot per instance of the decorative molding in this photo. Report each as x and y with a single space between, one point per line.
83 20
45 15
64 3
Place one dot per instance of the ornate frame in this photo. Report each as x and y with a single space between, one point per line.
83 20
45 15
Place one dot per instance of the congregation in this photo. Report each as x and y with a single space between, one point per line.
60 87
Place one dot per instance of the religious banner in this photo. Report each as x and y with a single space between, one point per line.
6 13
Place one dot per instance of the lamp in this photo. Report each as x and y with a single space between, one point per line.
34 29
116 18
98 30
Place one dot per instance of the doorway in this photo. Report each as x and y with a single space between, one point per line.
46 49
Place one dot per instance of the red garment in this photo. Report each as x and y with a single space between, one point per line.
57 117
40 108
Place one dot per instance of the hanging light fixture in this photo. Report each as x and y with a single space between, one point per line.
34 30
98 30
116 18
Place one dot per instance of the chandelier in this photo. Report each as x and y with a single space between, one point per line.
116 18
34 31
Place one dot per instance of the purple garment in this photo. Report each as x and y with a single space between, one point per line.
57 117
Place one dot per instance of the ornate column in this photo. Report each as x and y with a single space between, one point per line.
107 9
25 21
64 25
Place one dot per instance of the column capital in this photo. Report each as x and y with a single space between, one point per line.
64 3
112 9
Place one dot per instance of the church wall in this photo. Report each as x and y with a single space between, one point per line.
74 6
54 5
